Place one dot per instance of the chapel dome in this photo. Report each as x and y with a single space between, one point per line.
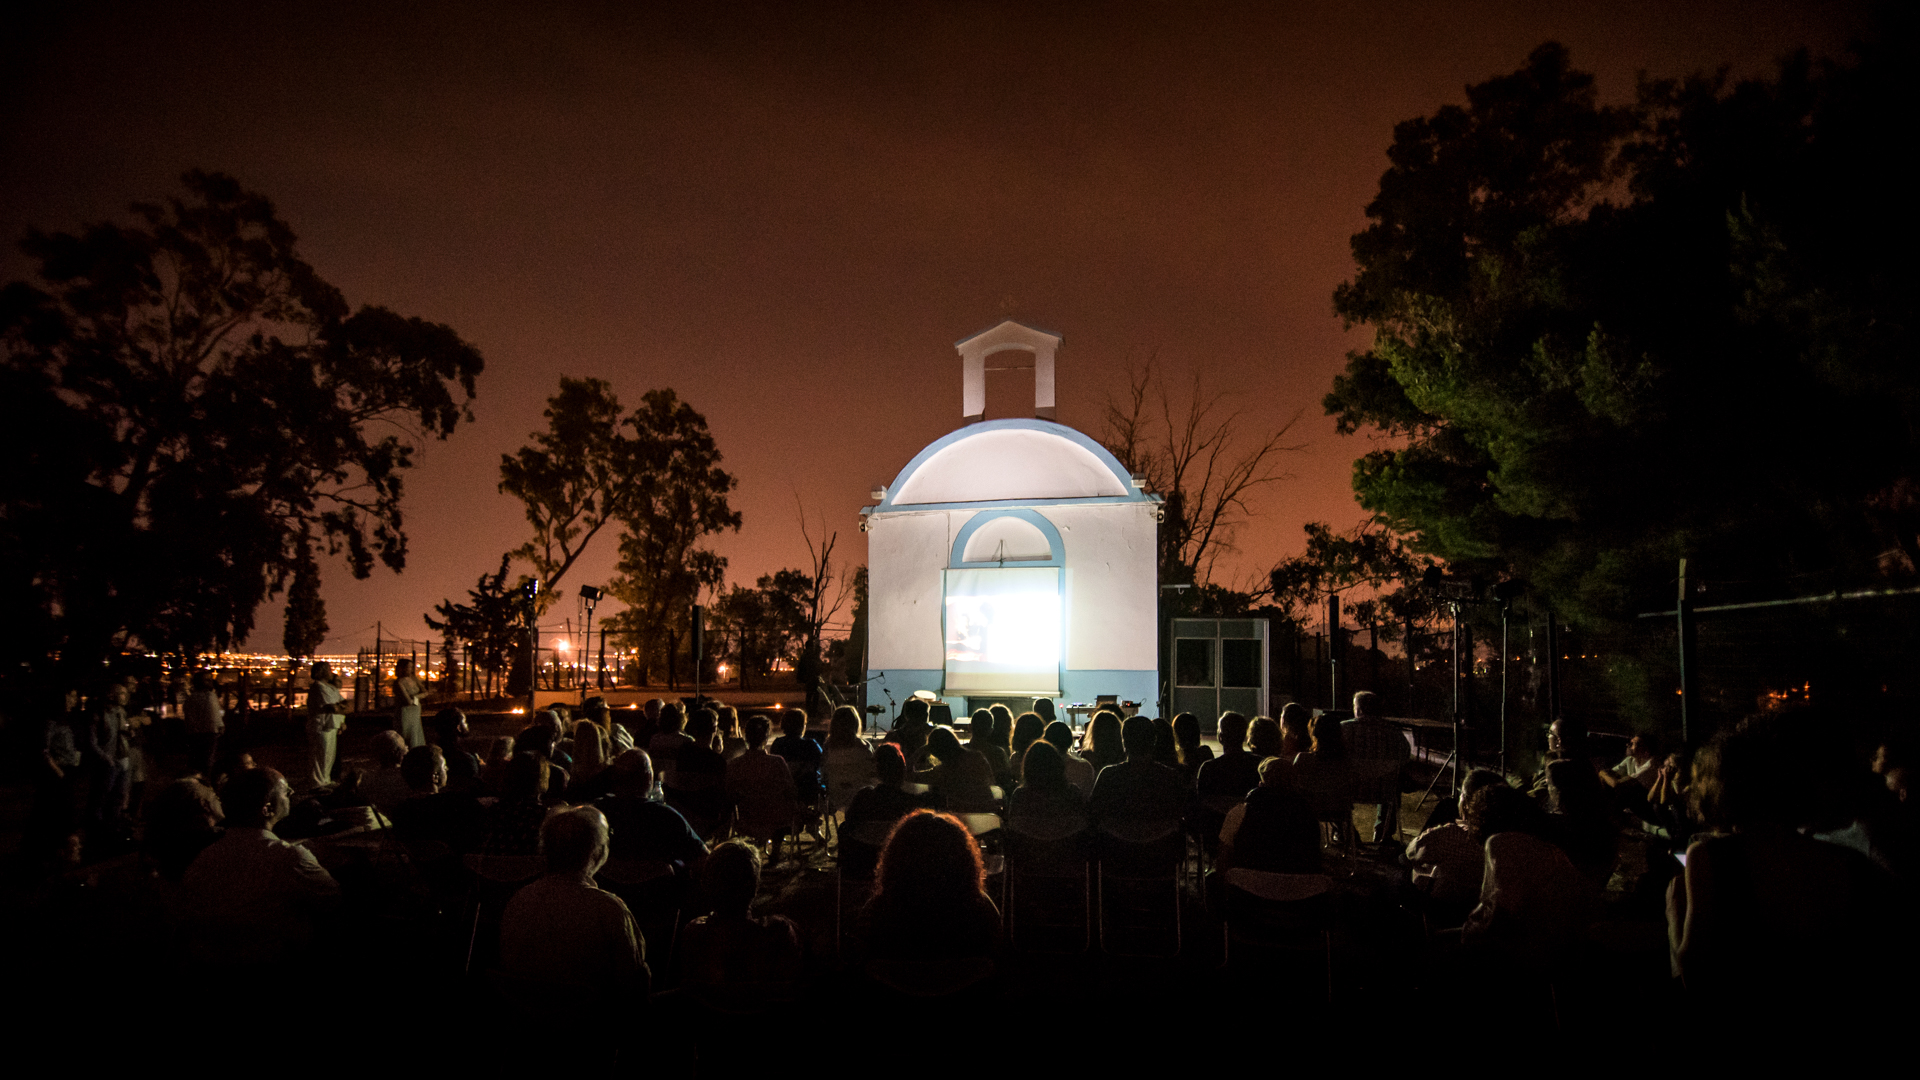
1010 460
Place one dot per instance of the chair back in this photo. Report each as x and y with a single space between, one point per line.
1279 888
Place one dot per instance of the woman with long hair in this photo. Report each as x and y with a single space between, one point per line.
733 741
1027 729
1186 743
1045 803
589 751
1103 742
849 758
931 901
1294 739
960 777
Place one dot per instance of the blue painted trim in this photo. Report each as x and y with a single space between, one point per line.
1106 458
1056 548
1085 684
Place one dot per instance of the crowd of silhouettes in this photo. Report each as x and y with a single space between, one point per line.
626 852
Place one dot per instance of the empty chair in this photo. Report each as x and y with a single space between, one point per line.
1268 912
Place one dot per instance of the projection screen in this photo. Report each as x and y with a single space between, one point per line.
1003 631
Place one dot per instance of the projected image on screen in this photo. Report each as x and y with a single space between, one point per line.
1003 629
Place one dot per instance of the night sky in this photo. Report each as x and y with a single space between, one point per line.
788 213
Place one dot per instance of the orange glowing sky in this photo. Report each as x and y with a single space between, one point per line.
789 212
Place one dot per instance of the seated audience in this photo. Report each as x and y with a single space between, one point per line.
930 901
910 728
1583 822
733 739
645 830
761 786
888 800
434 814
463 769
1639 767
669 736
1028 728
730 959
1103 745
538 739
1379 752
803 756
981 739
1166 750
1274 830
1766 922
181 821
1892 818
1448 862
1045 804
1139 790
255 902
960 776
513 824
382 786
1228 777
1079 769
561 933
849 760
493 775
1534 902
1189 751
1293 737
590 752
698 785
1323 775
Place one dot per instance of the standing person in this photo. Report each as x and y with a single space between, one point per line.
59 775
324 721
138 720
205 720
1382 749
107 759
407 692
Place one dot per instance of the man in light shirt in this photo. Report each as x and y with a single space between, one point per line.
206 721
256 900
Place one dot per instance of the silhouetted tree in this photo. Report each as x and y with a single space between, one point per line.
186 410
1205 460
575 478
1607 336
679 499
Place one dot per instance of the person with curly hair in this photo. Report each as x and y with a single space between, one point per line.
931 899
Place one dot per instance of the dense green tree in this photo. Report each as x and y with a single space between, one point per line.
1606 337
187 410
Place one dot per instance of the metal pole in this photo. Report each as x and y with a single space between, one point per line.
1413 670
1688 660
377 664
1505 611
1553 667
1333 651
1457 687
699 646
